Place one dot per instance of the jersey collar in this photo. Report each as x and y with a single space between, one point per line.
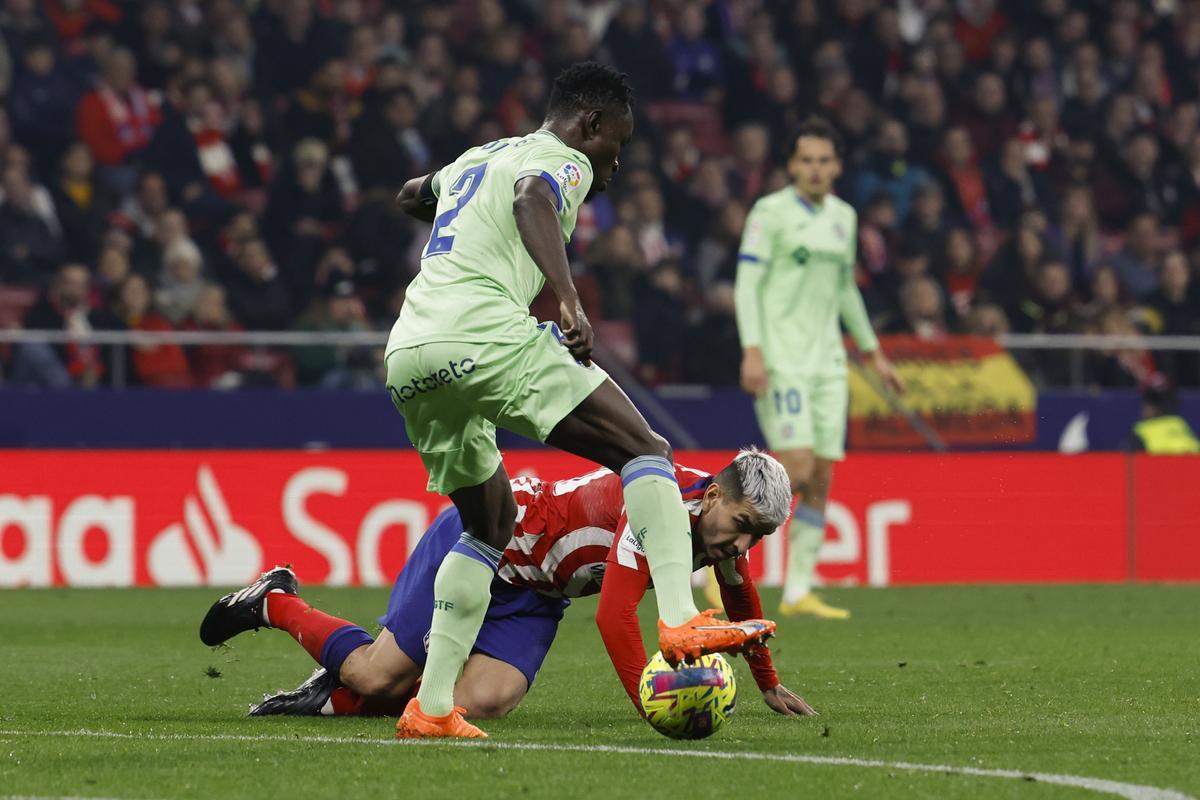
809 207
549 132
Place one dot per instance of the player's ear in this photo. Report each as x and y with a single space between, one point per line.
591 124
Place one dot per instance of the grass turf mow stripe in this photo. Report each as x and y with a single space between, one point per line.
1130 791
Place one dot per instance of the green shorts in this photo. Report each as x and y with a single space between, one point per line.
454 395
805 412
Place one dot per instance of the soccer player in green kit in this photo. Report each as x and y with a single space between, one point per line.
465 356
795 280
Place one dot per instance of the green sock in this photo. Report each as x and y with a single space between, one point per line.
805 535
462 592
661 525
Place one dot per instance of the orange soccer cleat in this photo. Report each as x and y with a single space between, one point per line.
704 633
416 724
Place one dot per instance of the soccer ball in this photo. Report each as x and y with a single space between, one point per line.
691 702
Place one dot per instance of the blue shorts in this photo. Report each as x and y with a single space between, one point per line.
520 623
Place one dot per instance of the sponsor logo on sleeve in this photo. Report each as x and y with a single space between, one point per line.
569 176
754 235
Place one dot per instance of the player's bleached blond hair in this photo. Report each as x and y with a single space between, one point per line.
760 479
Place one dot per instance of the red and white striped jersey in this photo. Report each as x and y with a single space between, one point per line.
567 529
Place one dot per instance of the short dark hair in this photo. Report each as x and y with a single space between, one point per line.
589 85
820 128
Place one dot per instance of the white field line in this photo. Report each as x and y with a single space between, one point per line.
1130 791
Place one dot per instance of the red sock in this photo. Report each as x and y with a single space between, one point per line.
347 702
307 625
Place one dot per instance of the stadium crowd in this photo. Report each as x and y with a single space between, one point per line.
1026 166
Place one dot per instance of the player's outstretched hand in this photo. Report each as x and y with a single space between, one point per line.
887 372
577 332
754 372
783 700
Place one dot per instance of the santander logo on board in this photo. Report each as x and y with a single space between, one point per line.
208 547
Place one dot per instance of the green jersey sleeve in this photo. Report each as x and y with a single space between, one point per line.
567 171
850 302
754 258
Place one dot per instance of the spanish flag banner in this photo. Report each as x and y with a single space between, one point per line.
968 389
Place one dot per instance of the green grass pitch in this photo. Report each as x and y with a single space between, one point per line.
1101 682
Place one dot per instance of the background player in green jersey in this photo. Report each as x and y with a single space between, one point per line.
465 356
795 281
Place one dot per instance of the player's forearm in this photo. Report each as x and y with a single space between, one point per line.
748 305
417 199
854 315
616 617
538 225
742 602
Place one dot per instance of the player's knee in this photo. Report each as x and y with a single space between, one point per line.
369 684
493 704
648 443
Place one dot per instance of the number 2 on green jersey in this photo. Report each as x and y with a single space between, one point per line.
466 186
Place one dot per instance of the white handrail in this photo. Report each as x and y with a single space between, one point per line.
1012 341
243 338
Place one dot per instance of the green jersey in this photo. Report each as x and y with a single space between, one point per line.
477 279
795 279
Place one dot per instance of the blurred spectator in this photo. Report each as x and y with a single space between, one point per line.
191 151
180 280
147 256
1137 186
926 226
976 24
618 265
257 293
43 102
1086 89
1135 264
1123 367
304 211
1106 296
697 61
887 169
655 240
922 312
1012 186
877 233
158 365
1013 269
117 119
337 309
751 161
987 320
966 187
634 48
213 365
30 250
714 354
81 203
716 255
63 307
1174 310
386 147
1047 305
989 120
1077 233
959 270
927 121
322 109
660 322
